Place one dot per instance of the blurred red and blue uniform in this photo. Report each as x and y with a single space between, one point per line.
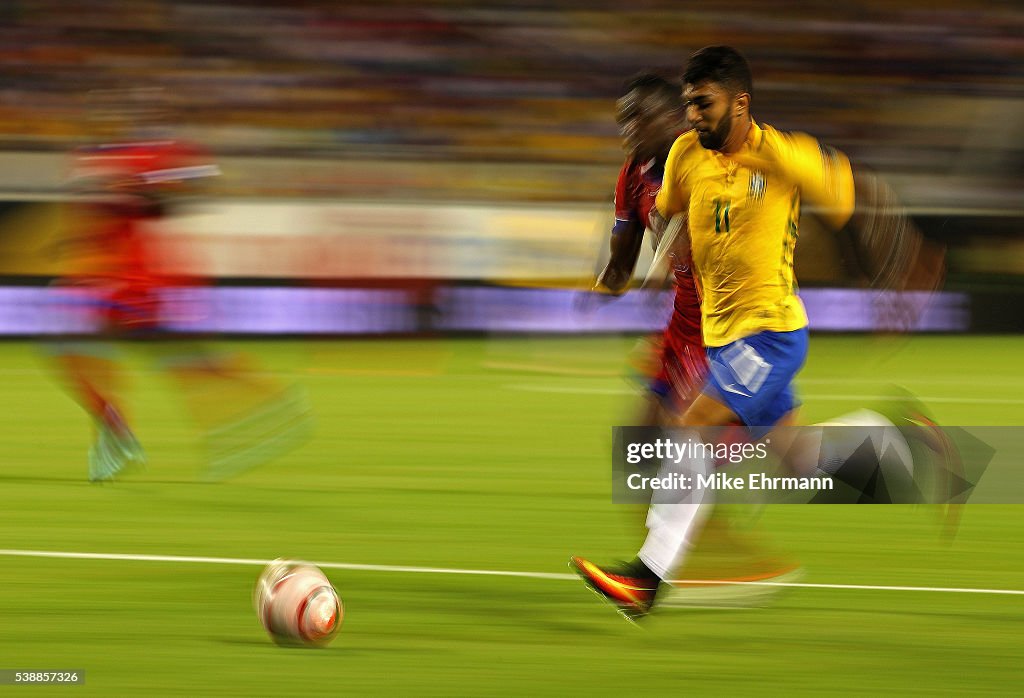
117 269
682 365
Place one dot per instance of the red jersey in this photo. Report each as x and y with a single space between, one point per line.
635 193
122 187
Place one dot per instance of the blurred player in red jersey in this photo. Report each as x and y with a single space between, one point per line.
650 118
116 273
650 115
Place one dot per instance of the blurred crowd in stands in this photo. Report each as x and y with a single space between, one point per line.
909 87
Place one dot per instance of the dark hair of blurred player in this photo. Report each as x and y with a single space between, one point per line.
650 117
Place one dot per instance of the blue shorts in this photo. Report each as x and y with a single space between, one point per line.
754 376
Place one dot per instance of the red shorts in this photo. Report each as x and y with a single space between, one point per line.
682 365
132 308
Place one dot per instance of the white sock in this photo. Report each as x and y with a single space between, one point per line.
668 540
675 518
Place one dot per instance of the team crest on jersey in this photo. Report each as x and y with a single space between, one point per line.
756 187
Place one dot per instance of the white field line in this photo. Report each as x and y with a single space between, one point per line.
128 557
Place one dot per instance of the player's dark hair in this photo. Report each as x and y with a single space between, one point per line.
720 64
670 91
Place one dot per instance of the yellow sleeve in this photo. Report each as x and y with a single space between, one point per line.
823 174
673 198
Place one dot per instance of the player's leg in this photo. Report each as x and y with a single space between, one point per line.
724 557
672 388
674 519
247 416
826 447
672 522
723 551
92 376
891 452
749 383
630 585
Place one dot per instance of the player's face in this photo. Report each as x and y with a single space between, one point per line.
648 123
710 109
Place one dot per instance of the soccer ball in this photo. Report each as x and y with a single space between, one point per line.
296 604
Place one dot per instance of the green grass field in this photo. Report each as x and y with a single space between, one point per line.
485 455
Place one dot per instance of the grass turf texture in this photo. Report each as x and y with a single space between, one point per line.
487 455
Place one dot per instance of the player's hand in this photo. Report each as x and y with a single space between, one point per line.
589 301
612 281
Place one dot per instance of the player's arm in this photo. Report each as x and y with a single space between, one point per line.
890 249
626 239
657 223
667 222
176 181
674 239
823 174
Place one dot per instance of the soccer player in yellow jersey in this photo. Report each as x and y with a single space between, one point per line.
740 185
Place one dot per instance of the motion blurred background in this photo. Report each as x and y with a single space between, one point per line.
416 145
437 169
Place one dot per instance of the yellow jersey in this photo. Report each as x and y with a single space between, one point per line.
743 216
